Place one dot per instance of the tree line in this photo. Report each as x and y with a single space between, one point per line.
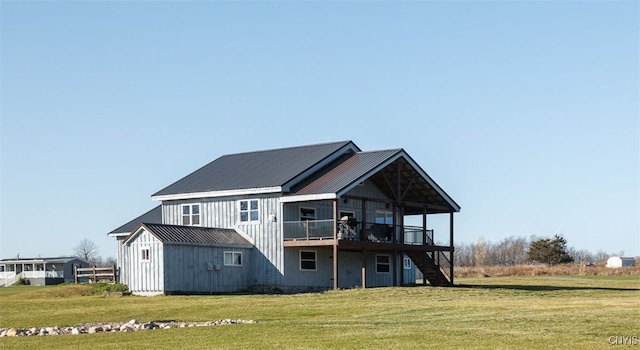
512 251
87 250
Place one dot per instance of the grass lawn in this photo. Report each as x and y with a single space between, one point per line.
559 312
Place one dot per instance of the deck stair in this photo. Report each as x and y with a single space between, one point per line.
433 270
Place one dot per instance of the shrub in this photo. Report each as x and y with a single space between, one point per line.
99 288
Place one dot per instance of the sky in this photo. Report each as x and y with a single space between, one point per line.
525 113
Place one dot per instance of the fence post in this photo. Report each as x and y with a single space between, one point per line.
75 272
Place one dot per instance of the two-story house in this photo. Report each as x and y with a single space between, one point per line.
302 218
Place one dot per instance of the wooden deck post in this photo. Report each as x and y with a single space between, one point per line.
335 243
451 260
335 266
424 243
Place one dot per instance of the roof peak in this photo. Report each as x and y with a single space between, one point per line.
345 142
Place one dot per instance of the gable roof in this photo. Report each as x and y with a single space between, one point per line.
153 216
191 234
393 171
267 171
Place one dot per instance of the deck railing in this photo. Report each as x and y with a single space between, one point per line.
413 235
323 229
308 229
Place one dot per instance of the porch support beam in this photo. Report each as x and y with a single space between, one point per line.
451 260
335 244
335 266
394 266
424 243
363 227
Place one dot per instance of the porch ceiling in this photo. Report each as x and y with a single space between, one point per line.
394 172
401 182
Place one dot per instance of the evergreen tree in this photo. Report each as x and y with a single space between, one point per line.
550 251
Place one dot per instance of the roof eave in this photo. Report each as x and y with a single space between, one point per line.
216 194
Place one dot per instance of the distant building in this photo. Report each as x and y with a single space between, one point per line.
617 261
39 271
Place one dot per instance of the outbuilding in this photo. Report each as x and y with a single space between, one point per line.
168 259
618 261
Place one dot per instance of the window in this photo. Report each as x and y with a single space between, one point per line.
308 260
383 263
307 214
249 211
348 214
407 263
145 254
384 217
191 214
232 258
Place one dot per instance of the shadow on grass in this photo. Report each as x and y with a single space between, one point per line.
540 288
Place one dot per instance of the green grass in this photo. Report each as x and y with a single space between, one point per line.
558 312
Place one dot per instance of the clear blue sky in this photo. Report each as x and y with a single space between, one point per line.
526 113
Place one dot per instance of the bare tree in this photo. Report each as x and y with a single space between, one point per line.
87 250
110 261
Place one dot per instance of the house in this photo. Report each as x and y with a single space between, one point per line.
616 261
314 217
39 271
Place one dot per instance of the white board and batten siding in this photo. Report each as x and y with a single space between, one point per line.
265 234
146 272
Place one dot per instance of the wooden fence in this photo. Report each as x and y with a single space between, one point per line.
96 274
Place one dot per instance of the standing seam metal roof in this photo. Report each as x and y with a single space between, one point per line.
346 173
153 216
268 168
193 234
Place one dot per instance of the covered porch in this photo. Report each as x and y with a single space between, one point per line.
383 206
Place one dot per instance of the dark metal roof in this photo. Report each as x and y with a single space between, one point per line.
259 169
193 234
395 174
153 216
335 177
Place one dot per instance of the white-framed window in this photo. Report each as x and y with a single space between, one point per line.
347 213
232 258
249 210
383 263
308 260
145 254
407 263
307 214
191 214
384 217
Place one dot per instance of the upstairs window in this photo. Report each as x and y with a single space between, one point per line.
384 217
249 211
233 258
307 214
191 214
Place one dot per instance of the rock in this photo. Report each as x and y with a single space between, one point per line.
130 326
94 329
